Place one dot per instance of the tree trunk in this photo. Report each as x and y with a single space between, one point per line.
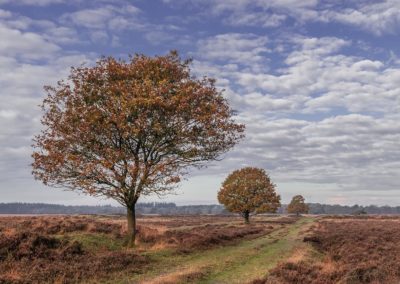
246 216
131 216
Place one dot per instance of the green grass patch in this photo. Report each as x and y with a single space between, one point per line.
95 242
239 263
255 258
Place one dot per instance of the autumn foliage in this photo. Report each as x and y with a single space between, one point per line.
126 129
297 205
249 190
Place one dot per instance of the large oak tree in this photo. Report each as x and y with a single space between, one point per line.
249 190
123 129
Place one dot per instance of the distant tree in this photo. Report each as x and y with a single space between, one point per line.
297 205
360 212
247 191
123 129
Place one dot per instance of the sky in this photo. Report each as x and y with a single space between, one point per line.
317 83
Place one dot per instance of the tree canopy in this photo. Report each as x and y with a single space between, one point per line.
297 205
249 190
123 129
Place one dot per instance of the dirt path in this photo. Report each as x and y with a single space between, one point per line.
240 263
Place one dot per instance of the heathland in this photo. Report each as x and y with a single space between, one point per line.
200 249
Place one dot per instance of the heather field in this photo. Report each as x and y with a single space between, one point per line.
345 250
200 249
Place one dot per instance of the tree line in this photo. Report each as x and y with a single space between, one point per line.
173 209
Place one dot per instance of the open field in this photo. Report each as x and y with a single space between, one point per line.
200 249
169 249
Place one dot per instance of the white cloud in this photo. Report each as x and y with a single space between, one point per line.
99 36
377 17
265 13
352 151
32 2
245 49
25 45
21 94
380 17
317 77
5 14
257 19
105 23
91 18
236 5
349 150
46 30
61 35
8 114
157 36
28 61
109 16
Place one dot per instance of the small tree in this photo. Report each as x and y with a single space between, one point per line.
297 205
126 129
247 191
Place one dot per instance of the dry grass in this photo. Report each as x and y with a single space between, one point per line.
199 237
59 225
28 257
355 250
186 276
298 255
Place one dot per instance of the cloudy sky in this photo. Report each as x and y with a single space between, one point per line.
317 83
